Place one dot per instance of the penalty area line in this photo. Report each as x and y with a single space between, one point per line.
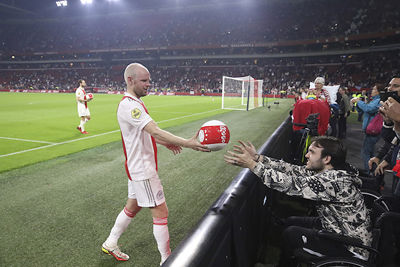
56 144
26 140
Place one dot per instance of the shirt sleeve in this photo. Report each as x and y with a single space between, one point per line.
79 93
372 107
297 181
134 113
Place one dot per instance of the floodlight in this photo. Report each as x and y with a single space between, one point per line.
86 2
62 3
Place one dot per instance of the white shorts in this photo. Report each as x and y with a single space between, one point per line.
82 110
148 193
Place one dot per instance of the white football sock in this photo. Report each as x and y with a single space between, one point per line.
121 223
161 234
82 125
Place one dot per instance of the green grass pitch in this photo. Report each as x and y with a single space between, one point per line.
60 197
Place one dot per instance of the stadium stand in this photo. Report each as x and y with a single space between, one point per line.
353 49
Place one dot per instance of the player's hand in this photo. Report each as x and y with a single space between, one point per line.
371 161
240 157
380 169
194 144
174 148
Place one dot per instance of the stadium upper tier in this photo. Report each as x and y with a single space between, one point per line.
205 26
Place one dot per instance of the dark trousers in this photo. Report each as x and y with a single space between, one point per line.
333 121
360 115
342 123
300 237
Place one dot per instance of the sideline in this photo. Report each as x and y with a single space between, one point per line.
87 137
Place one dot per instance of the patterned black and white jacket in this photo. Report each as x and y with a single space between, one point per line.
340 204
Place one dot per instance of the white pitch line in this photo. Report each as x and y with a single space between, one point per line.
93 136
56 144
26 140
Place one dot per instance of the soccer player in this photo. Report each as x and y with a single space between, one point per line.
139 137
83 111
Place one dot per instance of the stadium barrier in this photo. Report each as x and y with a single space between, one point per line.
235 227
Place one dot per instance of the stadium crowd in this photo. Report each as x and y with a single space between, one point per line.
289 74
191 49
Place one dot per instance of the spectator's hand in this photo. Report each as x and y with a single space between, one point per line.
354 100
385 118
174 148
240 157
249 147
391 109
372 161
380 169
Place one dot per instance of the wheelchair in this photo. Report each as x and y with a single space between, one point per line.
385 217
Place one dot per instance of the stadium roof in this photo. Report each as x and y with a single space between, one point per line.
44 9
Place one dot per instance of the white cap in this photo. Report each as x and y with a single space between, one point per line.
319 80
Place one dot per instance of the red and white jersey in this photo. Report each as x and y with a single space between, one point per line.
139 146
80 92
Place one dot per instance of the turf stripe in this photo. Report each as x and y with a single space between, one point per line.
92 136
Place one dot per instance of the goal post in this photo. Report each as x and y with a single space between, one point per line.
241 93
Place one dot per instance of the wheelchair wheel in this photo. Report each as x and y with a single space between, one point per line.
370 196
341 262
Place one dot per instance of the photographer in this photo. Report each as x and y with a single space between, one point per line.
370 110
390 109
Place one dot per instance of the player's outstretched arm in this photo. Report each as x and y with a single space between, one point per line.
167 137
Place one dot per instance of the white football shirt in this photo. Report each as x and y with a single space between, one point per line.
83 109
139 146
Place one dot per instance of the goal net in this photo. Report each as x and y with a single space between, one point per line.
241 93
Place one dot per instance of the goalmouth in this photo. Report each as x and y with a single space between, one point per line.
241 93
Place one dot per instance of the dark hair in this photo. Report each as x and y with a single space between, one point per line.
79 82
333 147
380 87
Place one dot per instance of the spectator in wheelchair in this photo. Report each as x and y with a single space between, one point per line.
328 180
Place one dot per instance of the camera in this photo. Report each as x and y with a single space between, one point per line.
312 123
384 95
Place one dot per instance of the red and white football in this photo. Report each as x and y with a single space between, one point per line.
214 134
90 95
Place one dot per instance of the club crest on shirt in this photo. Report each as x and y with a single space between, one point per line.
136 113
160 194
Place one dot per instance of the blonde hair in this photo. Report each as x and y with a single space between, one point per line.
319 80
131 70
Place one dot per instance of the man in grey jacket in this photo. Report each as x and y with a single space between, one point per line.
326 179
